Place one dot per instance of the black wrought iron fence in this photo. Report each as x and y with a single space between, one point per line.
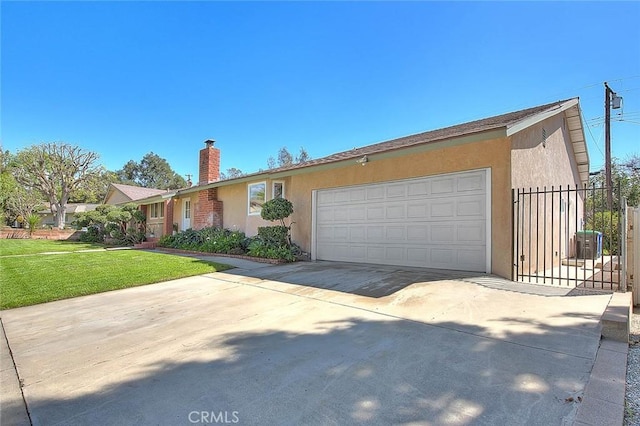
568 236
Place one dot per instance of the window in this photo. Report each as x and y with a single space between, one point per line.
257 193
277 190
156 210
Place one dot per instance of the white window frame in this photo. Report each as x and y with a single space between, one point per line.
249 186
273 188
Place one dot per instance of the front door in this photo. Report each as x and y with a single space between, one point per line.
186 214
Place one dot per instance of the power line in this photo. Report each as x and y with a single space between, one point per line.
592 138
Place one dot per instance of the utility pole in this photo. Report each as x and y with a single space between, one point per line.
607 143
611 100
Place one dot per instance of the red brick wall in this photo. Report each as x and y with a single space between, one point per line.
41 234
209 168
168 216
208 210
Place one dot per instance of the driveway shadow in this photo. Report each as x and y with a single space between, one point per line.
355 278
353 371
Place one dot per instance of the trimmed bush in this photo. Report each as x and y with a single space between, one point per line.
209 240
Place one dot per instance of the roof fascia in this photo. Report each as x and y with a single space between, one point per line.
399 152
496 133
541 116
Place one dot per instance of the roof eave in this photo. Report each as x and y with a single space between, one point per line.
572 113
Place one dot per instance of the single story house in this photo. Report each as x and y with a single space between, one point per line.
119 194
438 199
48 216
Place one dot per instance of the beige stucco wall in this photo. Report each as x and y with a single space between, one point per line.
155 226
117 197
178 208
537 165
493 154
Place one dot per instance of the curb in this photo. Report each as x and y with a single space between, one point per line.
603 401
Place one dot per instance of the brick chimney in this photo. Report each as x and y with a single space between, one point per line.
209 163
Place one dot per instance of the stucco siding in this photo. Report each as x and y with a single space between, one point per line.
542 158
538 164
117 197
493 154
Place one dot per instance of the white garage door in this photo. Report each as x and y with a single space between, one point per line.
435 222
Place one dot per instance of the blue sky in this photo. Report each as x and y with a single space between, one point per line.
126 78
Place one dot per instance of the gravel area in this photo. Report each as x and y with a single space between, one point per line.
632 400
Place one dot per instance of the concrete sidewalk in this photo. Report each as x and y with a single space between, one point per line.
241 345
13 411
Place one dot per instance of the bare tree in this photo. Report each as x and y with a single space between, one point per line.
285 158
55 170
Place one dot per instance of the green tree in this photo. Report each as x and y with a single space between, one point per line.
125 225
56 171
277 209
96 187
152 171
625 176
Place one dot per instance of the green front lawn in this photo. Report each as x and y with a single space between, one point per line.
39 278
23 246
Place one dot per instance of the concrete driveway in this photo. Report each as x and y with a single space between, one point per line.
309 343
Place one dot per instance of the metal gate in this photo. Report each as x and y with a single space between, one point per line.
569 237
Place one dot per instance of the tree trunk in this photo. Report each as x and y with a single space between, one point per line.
61 215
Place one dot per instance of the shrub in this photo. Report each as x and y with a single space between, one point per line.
93 235
211 240
33 220
261 248
275 235
277 209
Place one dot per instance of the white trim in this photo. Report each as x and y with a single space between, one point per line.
249 185
314 242
488 204
273 184
536 118
488 237
184 219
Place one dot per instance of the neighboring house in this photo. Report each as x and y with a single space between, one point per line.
119 194
48 217
438 199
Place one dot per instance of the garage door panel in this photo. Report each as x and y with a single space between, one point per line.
471 183
442 233
375 254
435 222
394 254
398 190
418 189
395 212
418 211
471 259
375 233
441 186
443 209
395 233
375 213
357 233
357 213
418 232
375 193
417 256
471 208
471 233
